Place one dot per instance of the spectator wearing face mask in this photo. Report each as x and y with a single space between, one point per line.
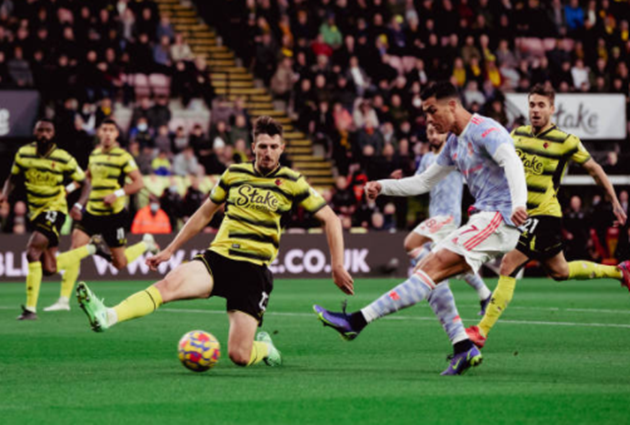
151 219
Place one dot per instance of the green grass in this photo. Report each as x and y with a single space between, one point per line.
560 356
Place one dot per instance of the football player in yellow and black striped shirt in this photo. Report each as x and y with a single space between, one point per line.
235 266
105 214
546 151
43 168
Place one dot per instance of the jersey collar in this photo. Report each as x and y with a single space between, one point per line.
270 174
538 136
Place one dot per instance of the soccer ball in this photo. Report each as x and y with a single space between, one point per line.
199 351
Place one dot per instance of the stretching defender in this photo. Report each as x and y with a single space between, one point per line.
545 152
105 214
445 216
256 196
484 153
43 167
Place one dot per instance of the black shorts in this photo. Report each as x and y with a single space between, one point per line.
246 286
542 237
49 224
112 227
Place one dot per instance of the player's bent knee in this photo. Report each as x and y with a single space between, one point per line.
238 356
559 275
33 254
119 264
49 271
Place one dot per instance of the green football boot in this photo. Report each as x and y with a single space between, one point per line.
274 358
93 308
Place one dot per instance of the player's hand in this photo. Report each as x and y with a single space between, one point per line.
519 216
343 280
3 198
396 174
620 214
154 261
110 199
76 214
372 189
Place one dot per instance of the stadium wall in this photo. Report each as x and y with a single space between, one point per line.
301 256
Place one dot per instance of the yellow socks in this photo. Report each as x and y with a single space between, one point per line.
68 280
68 259
33 283
138 305
260 350
583 270
501 297
134 251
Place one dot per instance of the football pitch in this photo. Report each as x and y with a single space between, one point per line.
561 355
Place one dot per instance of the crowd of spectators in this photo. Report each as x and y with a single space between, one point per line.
351 73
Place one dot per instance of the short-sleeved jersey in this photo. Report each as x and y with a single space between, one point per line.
545 158
254 207
44 178
108 172
472 153
446 196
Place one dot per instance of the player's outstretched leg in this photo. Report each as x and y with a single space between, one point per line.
408 293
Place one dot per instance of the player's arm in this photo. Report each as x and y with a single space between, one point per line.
601 178
86 186
409 186
193 226
134 186
334 235
506 157
9 183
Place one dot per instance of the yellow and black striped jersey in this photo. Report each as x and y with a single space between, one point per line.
545 158
44 178
108 172
254 207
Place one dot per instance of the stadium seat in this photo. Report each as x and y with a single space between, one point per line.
160 84
141 86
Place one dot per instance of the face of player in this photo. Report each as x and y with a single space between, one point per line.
267 150
108 134
44 133
540 111
440 113
435 139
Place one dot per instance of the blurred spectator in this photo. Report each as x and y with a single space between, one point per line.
19 69
171 203
283 80
193 199
239 130
142 134
180 141
160 113
185 163
161 165
343 200
163 140
151 219
180 50
165 29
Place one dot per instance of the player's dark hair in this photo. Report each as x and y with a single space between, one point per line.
47 121
267 125
440 90
542 90
109 121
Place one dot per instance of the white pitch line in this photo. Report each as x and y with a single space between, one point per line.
415 318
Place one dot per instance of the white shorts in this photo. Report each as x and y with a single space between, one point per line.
436 228
483 238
